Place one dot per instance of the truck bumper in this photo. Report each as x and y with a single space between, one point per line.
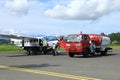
74 50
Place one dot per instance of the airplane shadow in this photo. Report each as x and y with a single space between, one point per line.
19 55
32 66
23 54
49 53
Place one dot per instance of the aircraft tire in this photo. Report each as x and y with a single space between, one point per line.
28 52
71 54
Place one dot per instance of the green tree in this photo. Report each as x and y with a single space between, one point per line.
115 37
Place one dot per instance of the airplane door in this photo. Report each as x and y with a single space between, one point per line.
23 42
40 42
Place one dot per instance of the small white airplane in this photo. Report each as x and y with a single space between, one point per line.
34 45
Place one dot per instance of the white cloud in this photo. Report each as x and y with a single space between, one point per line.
18 7
84 9
7 31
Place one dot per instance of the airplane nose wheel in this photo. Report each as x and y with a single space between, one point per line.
54 52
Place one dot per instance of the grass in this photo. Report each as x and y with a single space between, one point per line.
6 48
61 49
115 46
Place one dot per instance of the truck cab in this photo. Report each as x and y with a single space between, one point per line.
77 44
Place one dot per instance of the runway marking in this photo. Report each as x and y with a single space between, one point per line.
47 73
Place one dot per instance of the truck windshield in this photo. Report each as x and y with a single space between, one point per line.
74 39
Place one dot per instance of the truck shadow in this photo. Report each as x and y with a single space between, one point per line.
96 56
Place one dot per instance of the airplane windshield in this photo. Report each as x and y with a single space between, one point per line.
51 38
74 39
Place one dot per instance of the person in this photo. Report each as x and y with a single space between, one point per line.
92 46
55 46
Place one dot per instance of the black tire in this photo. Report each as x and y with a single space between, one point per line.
45 50
103 53
92 54
28 52
71 54
54 52
86 53
34 52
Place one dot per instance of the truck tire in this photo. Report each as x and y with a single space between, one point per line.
103 53
92 54
71 54
86 53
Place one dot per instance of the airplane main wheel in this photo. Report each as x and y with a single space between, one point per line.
45 50
55 52
28 52
71 54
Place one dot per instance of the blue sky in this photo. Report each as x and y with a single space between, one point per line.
59 17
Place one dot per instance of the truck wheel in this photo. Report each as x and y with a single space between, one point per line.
86 53
103 53
92 54
71 54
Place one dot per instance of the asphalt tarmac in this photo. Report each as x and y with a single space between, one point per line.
19 66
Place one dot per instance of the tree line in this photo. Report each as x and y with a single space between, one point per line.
115 37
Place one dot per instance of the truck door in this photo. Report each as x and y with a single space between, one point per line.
85 41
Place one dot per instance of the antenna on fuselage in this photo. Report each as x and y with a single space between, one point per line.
81 32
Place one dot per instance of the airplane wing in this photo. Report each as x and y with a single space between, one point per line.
18 37
15 36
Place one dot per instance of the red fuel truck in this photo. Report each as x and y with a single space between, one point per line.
86 44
